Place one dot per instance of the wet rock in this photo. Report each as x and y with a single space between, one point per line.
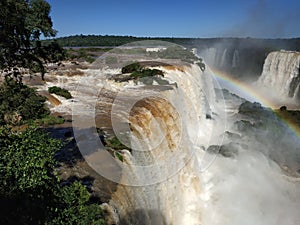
228 150
232 136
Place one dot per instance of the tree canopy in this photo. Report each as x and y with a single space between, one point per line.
31 192
19 103
22 23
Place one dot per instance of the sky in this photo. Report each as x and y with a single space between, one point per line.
178 18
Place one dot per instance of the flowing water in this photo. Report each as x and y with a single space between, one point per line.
281 74
194 159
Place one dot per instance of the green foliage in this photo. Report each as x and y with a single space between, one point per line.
87 54
31 192
90 59
133 67
26 175
22 22
140 72
146 73
54 52
175 52
75 207
94 40
18 102
26 160
60 91
115 144
250 44
119 156
46 121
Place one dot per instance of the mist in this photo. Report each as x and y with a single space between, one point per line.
255 176
265 21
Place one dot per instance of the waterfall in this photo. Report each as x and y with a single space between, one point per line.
170 125
224 58
189 162
210 56
244 184
281 73
235 59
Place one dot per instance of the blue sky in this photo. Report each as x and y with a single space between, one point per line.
184 18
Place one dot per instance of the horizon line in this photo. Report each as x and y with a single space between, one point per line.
175 37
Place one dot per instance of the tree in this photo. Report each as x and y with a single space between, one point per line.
27 180
22 22
26 160
19 102
31 192
75 207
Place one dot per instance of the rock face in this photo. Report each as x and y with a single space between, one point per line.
281 73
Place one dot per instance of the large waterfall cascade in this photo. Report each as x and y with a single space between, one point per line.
281 74
181 118
246 188
173 128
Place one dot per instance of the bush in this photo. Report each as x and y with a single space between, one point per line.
30 191
60 91
26 160
146 73
138 71
75 207
19 102
132 68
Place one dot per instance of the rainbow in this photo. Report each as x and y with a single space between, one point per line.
252 95
243 88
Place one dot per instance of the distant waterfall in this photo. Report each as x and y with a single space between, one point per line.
210 56
224 57
235 59
221 57
281 73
